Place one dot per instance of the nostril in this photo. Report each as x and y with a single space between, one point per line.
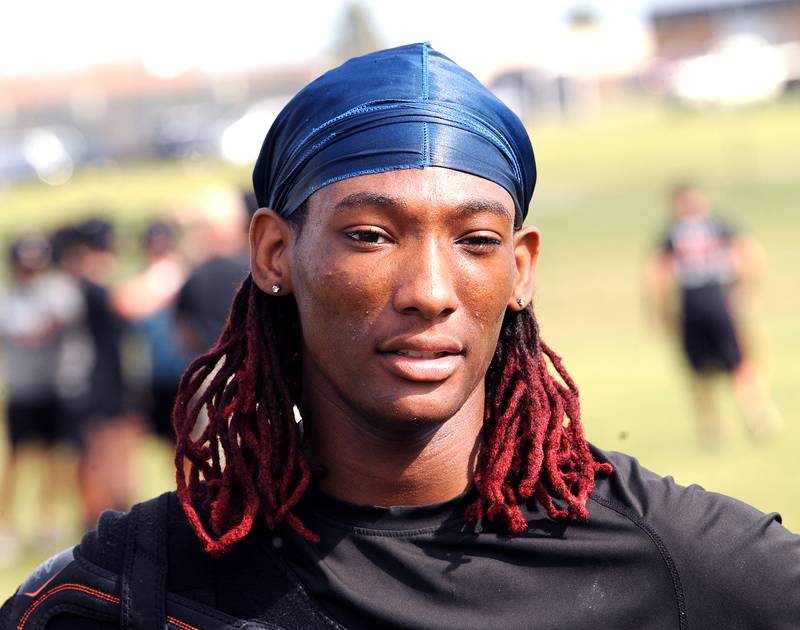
426 288
429 311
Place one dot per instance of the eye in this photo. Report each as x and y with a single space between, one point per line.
368 236
481 243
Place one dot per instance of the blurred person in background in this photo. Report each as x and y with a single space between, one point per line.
712 269
35 311
148 300
217 234
109 433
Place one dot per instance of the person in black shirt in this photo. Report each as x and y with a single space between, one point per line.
202 303
709 263
96 397
386 445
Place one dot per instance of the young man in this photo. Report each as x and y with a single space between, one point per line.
704 260
439 477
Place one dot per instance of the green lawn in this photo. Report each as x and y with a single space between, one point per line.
600 206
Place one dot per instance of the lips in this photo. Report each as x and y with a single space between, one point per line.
418 354
422 360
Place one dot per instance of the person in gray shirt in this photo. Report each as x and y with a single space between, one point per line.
36 310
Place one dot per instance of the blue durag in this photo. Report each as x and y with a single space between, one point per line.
407 107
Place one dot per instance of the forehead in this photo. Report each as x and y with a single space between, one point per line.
433 189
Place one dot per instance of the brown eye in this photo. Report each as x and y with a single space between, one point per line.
370 237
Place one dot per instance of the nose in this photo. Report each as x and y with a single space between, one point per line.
426 282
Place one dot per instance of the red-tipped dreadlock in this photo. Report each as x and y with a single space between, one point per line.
527 450
251 456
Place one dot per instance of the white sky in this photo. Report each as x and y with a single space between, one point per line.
47 36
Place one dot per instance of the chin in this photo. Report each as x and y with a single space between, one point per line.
415 411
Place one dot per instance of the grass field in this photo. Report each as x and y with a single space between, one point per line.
600 206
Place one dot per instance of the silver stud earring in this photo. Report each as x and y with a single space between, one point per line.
520 302
276 288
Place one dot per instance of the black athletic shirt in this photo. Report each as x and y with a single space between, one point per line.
700 246
206 296
106 394
654 555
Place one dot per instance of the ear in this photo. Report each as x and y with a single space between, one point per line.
526 252
271 243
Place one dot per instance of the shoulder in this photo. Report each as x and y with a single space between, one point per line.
720 225
194 282
206 269
222 267
667 242
725 555
62 288
106 545
651 497
66 586
88 576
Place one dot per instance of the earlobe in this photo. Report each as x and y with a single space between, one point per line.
526 252
271 239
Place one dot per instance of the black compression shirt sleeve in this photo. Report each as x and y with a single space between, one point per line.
737 567
737 559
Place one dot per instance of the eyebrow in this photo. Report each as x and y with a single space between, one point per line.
360 199
483 205
478 205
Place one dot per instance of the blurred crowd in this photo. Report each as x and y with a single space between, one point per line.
92 357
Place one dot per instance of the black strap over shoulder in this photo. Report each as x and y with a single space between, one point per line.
144 577
160 578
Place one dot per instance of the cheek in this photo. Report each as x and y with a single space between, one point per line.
339 299
491 291
487 287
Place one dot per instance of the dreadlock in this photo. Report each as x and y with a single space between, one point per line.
250 451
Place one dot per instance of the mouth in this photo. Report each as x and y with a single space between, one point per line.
423 361
419 354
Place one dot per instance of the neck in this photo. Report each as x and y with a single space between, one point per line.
366 465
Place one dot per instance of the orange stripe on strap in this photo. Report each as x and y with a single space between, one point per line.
94 593
180 624
59 589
